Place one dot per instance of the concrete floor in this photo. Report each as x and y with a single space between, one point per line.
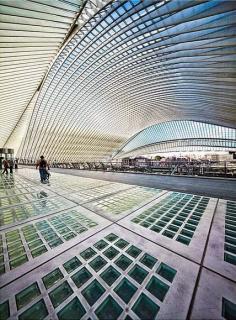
83 248
211 187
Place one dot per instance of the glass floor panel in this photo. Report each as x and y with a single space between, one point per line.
123 201
176 217
37 238
78 284
45 206
230 233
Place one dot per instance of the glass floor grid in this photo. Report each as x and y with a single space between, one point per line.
22 212
10 186
111 277
230 233
70 185
123 201
15 199
70 188
34 239
97 192
66 184
176 217
16 191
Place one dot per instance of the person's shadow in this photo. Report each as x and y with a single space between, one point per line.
42 195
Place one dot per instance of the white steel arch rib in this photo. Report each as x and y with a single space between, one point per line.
130 65
32 33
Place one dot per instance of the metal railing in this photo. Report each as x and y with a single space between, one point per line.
192 168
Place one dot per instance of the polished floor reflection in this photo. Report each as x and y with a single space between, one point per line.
83 248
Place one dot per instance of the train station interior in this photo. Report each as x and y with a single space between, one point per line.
117 159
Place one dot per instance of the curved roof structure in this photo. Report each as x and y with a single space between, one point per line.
128 65
31 34
179 136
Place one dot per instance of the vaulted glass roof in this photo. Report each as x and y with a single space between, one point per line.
177 136
129 65
31 34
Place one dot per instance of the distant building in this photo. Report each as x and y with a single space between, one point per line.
135 162
219 157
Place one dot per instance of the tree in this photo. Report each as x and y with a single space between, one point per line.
158 158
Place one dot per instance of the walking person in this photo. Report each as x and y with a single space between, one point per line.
16 163
11 164
42 165
5 166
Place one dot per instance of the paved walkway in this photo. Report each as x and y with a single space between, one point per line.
212 187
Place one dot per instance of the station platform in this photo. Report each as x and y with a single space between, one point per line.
99 246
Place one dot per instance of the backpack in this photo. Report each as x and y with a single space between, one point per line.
43 163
